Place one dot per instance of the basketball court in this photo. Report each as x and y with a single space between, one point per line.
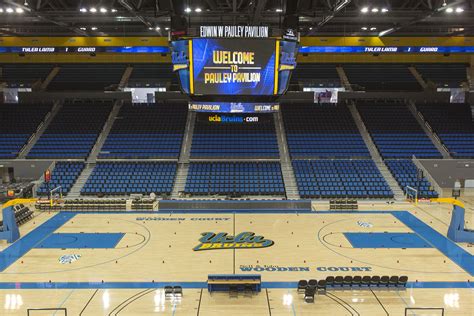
107 262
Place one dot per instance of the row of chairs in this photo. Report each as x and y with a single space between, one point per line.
343 205
335 282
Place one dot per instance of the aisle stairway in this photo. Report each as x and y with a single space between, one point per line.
397 191
81 181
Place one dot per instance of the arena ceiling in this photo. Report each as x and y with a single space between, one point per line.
316 17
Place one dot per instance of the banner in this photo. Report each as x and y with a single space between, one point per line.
234 107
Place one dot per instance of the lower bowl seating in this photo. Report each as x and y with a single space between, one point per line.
340 179
235 178
64 175
405 172
123 178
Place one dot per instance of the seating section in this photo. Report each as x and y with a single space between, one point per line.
396 132
235 178
92 77
406 174
444 75
146 131
453 124
313 74
73 132
17 123
152 75
322 131
234 140
340 179
23 75
65 175
123 178
381 77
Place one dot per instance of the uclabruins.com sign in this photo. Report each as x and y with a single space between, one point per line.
245 240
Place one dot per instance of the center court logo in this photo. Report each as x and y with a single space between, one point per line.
68 259
245 240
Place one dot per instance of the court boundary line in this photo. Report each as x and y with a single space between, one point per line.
198 285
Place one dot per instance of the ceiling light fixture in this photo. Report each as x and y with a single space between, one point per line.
364 10
187 10
94 28
384 10
364 28
198 10
167 28
157 28
83 10
278 10
449 10
19 10
103 10
83 28
93 10
9 10
373 28
113 10
459 10
375 10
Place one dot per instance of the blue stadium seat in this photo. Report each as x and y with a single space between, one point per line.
395 132
232 140
235 178
124 178
64 174
340 179
72 133
453 124
322 131
144 131
17 123
405 172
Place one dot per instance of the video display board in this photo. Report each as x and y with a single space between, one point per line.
234 66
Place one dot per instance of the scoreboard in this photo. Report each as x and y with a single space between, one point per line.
235 69
234 66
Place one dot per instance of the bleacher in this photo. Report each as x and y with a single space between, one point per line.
396 132
234 140
381 77
406 174
316 75
454 126
73 131
146 131
17 123
87 77
322 131
124 178
65 175
235 178
23 75
152 75
340 179
443 75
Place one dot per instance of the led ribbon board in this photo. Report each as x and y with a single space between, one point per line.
234 66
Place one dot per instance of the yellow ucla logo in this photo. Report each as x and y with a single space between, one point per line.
245 240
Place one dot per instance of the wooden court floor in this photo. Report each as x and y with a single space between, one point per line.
130 257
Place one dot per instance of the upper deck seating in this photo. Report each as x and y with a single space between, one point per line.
443 75
453 124
73 131
146 131
322 131
381 77
95 77
23 75
17 123
314 74
396 132
234 140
